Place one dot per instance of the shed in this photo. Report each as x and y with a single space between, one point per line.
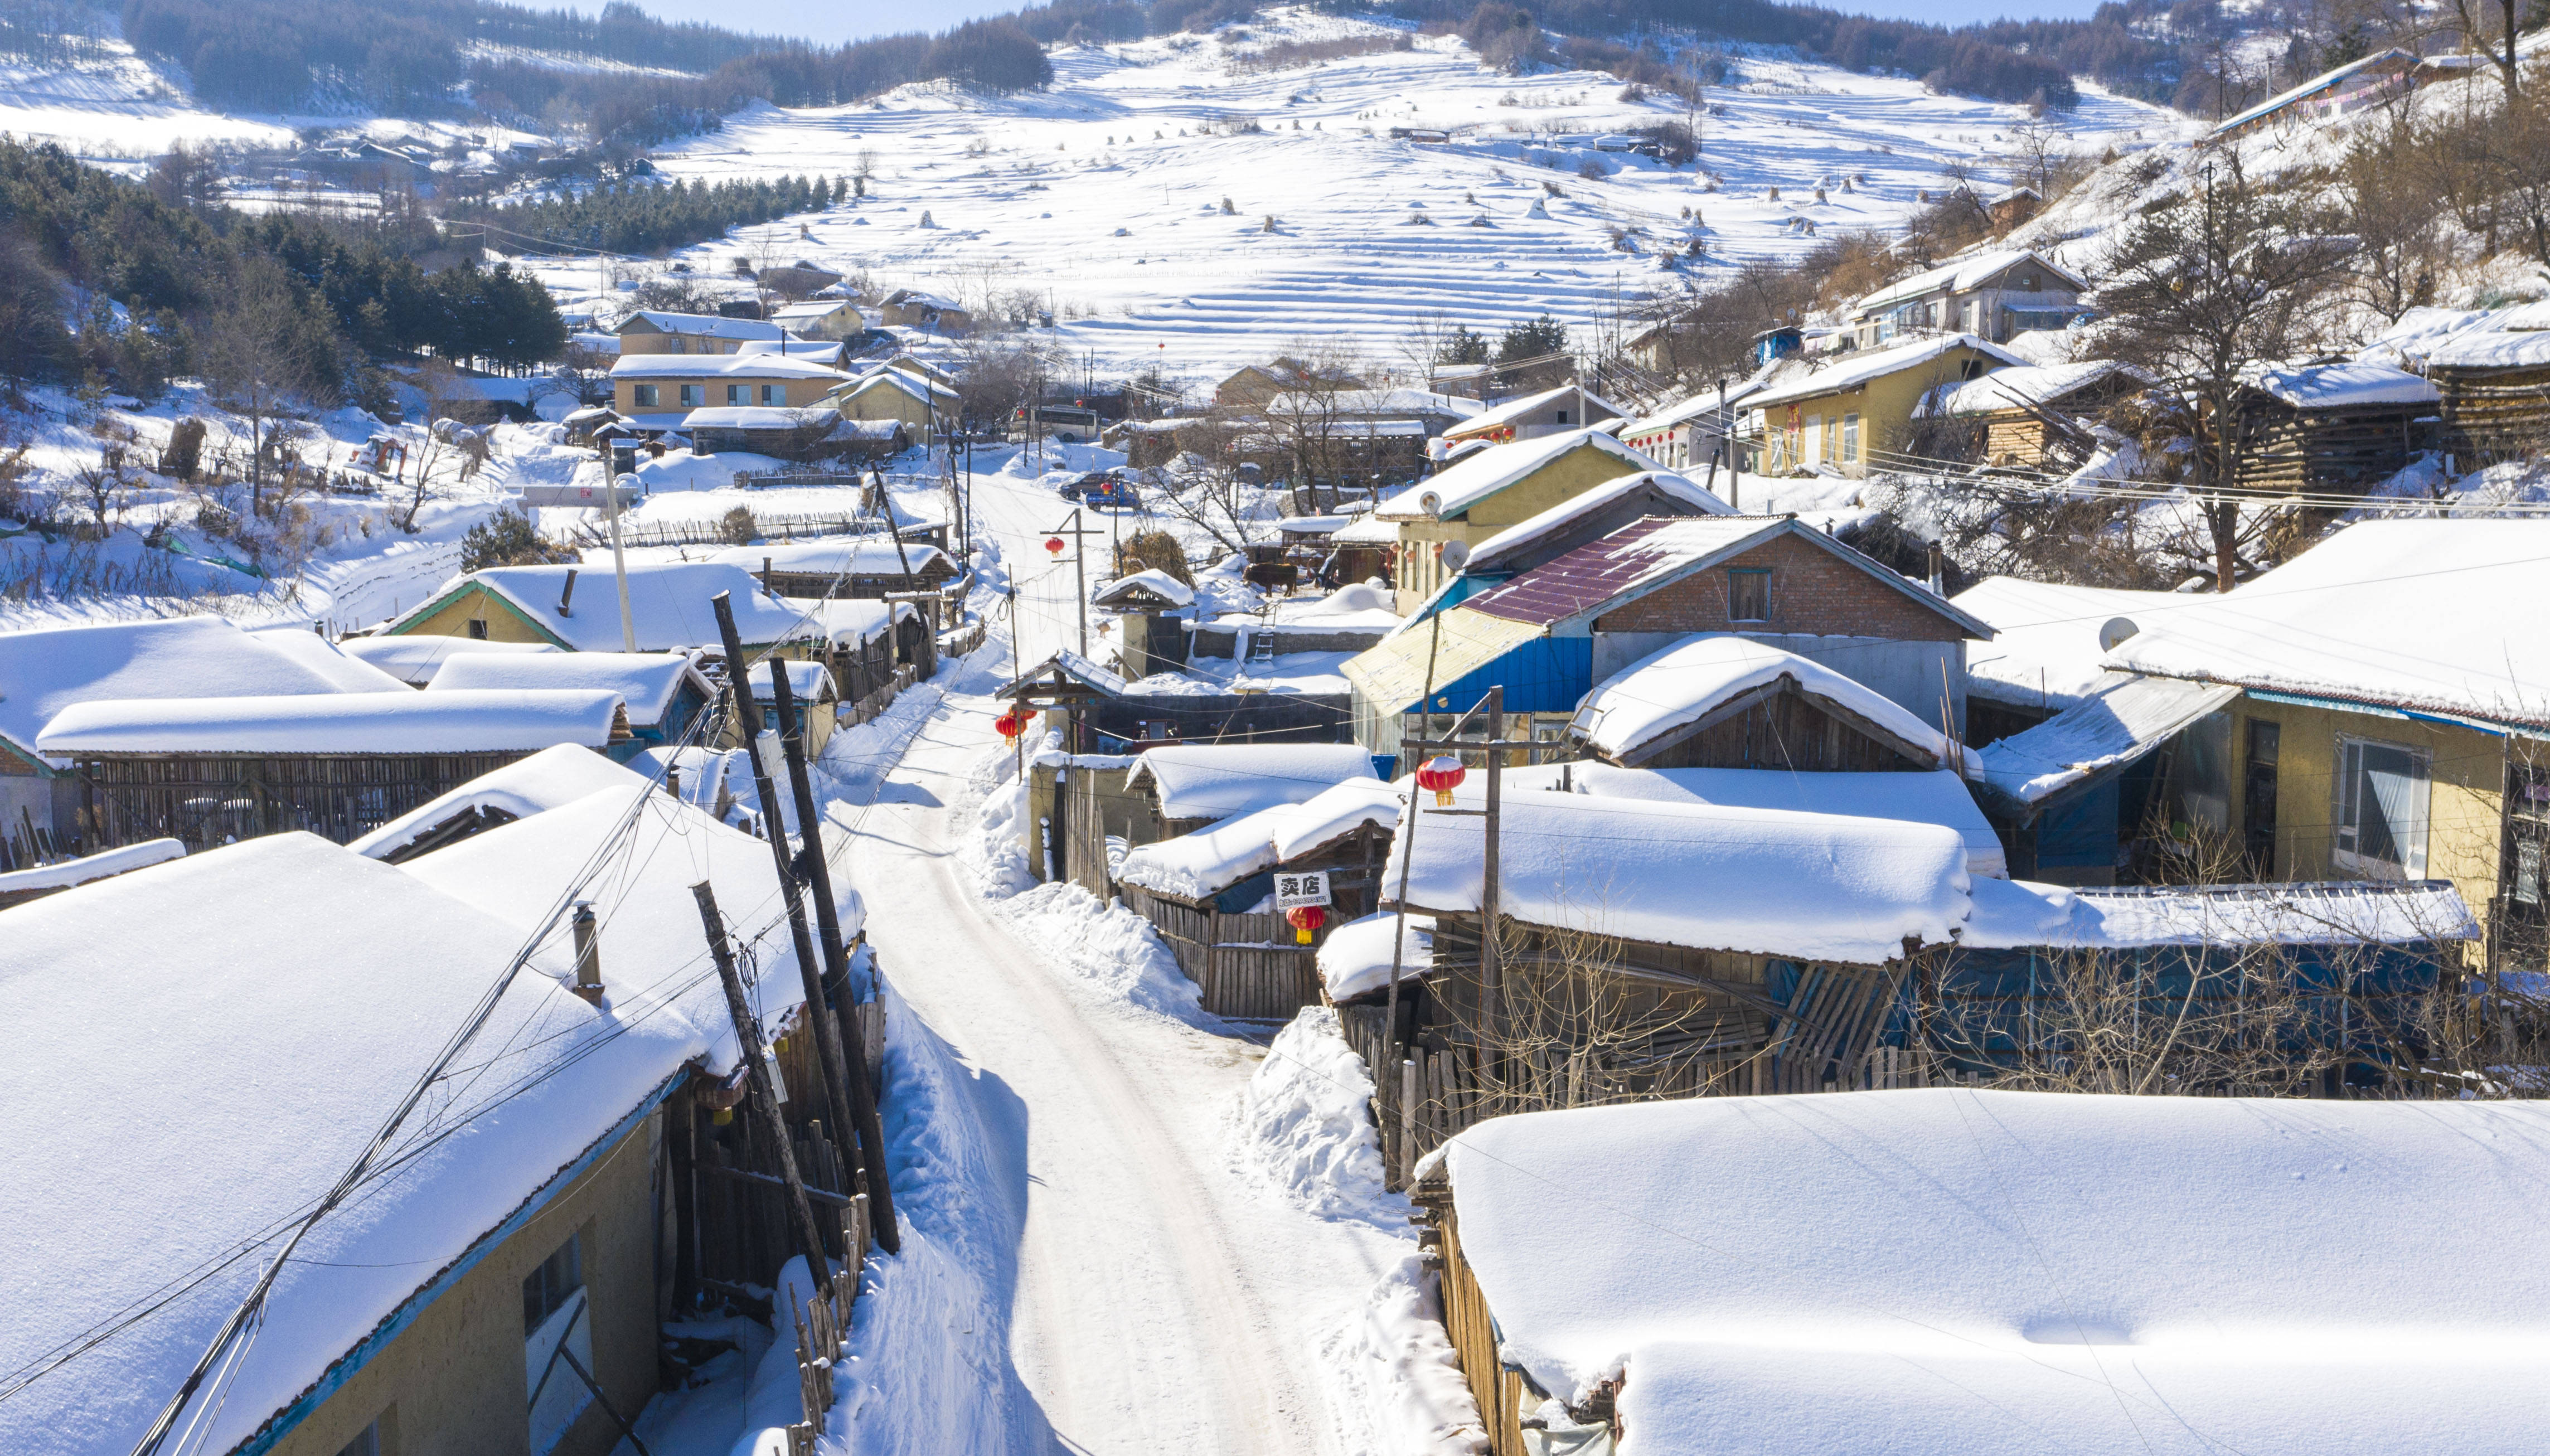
1724 702
2022 408
2049 647
817 702
2493 384
669 605
857 566
1193 785
1560 410
209 770
778 432
875 649
414 661
2333 427
663 691
1148 590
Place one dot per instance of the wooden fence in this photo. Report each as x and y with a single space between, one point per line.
824 1326
767 526
1248 967
206 799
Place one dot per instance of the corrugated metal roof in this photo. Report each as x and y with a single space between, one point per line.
1639 554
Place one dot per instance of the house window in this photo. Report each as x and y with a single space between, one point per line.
739 393
2382 791
1748 594
1850 438
771 395
478 628
365 1443
1562 416
646 396
555 1320
694 394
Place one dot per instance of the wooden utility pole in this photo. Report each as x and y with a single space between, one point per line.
1406 861
765 1100
1491 964
747 716
1079 574
844 1059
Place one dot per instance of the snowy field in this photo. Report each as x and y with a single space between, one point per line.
1102 196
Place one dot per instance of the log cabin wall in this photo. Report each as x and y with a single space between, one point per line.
206 799
2285 450
2495 414
1786 730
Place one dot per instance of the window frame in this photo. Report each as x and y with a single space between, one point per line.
644 396
2346 826
774 395
1748 574
1850 438
693 396
739 393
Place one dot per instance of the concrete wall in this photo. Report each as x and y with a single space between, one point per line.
452 1383
1906 674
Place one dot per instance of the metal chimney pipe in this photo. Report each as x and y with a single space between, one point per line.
588 953
566 593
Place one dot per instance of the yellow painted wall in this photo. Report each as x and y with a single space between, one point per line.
638 337
1572 474
668 394
473 603
1883 405
2464 811
885 402
452 1383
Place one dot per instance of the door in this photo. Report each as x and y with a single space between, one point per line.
2522 929
2258 799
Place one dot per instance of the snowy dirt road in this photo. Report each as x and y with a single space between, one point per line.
1165 1296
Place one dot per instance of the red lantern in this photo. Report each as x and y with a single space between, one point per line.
1053 543
1305 919
1010 725
1443 773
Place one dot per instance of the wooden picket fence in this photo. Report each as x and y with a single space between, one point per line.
1249 967
823 1326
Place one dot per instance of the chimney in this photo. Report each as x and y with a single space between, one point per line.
1938 570
588 955
765 573
567 594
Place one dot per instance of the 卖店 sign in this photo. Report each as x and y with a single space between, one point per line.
1301 888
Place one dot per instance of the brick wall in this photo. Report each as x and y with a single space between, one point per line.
1810 592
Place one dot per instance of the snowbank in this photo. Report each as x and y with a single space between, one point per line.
645 681
2022 912
1307 1125
1941 798
1356 956
1971 1271
1107 947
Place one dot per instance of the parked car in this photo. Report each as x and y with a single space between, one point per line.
1113 488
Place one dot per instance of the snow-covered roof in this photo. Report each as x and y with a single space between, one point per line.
269 1001
1941 798
344 723
1459 486
2411 340
703 325
2024 385
1373 529
2342 386
2446 617
349 673
1519 409
808 682
1334 813
414 661
847 556
1808 885
850 621
2045 650
1859 366
1152 580
719 366
1376 402
63 874
814 312
1211 860
756 417
2123 719
1219 780
549 779
2343 913
1992 1273
1686 682
1356 956
48 670
668 605
646 681
918 386
2391 60
1958 275
1698 406
1520 536
826 352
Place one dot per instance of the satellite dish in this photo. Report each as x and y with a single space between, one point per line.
1456 554
1430 502
2115 630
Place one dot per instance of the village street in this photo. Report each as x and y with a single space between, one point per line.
1161 1297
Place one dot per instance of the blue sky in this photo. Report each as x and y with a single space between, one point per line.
836 21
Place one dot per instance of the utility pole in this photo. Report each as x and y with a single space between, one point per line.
747 718
1491 963
1079 571
845 1059
619 561
765 1101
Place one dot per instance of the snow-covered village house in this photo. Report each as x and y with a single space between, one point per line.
662 693
502 1290
662 390
1989 295
1210 893
925 406
1550 633
917 307
1730 701
1252 387
577 610
654 331
1560 410
2022 413
1493 487
2343 427
831 318
845 567
1846 414
1750 1270
46 671
1084 811
1689 435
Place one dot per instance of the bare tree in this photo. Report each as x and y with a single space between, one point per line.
2203 290
267 358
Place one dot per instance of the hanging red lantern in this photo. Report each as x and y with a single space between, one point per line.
1053 543
1441 773
1010 725
1305 919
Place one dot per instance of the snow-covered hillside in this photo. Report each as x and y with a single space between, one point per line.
1102 195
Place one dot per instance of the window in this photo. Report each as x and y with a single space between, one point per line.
1748 594
739 393
367 1443
1850 438
547 1289
1562 416
773 395
694 394
2382 808
478 628
646 396
553 1320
